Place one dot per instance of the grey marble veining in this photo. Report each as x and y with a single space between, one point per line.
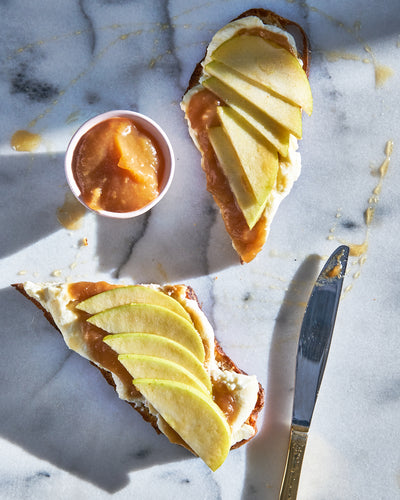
63 432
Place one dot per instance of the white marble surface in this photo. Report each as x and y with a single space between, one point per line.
63 432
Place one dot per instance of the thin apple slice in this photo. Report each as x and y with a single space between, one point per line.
268 64
193 415
156 345
149 318
276 135
128 295
259 161
286 114
143 366
233 170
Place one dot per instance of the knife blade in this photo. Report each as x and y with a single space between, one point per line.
312 353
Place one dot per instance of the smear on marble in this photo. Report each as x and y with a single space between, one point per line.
382 72
337 55
23 140
359 250
70 214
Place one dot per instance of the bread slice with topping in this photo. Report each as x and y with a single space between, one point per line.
243 108
155 346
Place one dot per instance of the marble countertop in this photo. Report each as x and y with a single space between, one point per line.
63 62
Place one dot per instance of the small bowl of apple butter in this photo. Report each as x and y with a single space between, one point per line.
119 164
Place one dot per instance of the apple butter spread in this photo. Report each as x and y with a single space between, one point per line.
118 166
23 140
224 400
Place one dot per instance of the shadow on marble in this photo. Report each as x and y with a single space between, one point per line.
162 248
30 194
57 407
266 455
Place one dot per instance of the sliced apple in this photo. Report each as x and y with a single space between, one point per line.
268 64
193 415
143 366
150 318
276 135
246 161
286 114
156 345
230 165
259 161
128 295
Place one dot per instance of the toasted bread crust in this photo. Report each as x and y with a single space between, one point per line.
222 359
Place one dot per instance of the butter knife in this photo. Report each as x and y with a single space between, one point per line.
314 342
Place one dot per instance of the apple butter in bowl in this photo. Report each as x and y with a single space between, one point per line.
119 164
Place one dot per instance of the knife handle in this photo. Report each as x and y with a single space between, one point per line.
291 476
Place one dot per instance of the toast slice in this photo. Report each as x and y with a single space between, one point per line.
206 94
234 397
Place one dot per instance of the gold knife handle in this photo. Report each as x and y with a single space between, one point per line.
291 476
